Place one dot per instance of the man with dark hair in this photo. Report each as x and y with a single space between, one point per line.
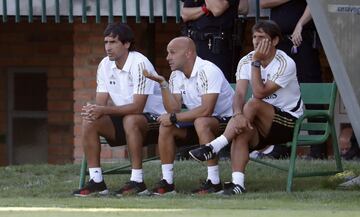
269 116
203 89
137 102
301 43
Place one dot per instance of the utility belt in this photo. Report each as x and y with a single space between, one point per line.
216 40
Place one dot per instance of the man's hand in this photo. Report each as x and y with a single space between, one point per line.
149 75
242 124
164 120
262 50
296 37
92 112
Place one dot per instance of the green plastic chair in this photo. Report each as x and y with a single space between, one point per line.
313 94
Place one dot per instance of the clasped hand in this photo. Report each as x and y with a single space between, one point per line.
91 112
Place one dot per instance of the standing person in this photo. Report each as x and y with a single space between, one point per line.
210 24
137 102
269 116
302 44
207 95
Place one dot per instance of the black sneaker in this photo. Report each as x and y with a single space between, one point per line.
163 188
133 188
92 188
231 189
204 153
207 187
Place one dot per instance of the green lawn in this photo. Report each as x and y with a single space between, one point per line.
50 186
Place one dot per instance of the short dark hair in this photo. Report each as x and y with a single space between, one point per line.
269 27
123 32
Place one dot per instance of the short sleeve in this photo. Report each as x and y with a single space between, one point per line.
242 71
100 80
175 83
209 80
285 72
142 85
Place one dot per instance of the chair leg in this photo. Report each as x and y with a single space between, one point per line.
291 167
83 172
335 148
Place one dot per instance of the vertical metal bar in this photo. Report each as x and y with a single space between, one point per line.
4 17
257 10
57 11
111 12
124 20
151 11
30 16
43 11
71 15
10 107
84 9
137 7
17 11
164 16
177 11
98 17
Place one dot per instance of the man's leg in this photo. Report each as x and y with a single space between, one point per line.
135 128
167 147
206 129
260 115
91 144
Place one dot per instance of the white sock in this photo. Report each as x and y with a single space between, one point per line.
238 178
168 172
213 174
96 174
136 175
218 143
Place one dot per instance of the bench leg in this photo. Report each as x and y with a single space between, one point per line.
83 172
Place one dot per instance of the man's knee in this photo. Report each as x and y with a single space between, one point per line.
253 105
203 124
133 123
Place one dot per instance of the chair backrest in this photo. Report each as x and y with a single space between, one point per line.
318 93
318 97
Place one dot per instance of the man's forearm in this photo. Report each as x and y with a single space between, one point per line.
264 4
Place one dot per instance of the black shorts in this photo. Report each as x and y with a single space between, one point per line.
281 130
120 133
191 135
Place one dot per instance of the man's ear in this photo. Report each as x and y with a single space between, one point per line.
275 41
127 45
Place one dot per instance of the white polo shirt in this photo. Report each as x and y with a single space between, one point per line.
122 84
282 71
205 78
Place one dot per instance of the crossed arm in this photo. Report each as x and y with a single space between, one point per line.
216 7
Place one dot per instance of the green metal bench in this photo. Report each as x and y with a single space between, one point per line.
312 94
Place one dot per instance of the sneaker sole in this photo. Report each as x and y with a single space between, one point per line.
167 193
100 193
143 193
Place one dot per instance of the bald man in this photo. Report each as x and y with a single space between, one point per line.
201 86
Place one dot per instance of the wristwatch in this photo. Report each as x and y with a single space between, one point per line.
256 63
173 118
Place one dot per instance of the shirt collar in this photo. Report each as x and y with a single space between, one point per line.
127 64
196 66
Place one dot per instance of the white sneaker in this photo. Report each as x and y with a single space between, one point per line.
351 183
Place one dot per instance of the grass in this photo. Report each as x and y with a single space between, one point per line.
51 186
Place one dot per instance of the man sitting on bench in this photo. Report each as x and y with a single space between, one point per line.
269 116
137 102
202 87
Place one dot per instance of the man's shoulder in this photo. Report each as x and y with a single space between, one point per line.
283 57
138 58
